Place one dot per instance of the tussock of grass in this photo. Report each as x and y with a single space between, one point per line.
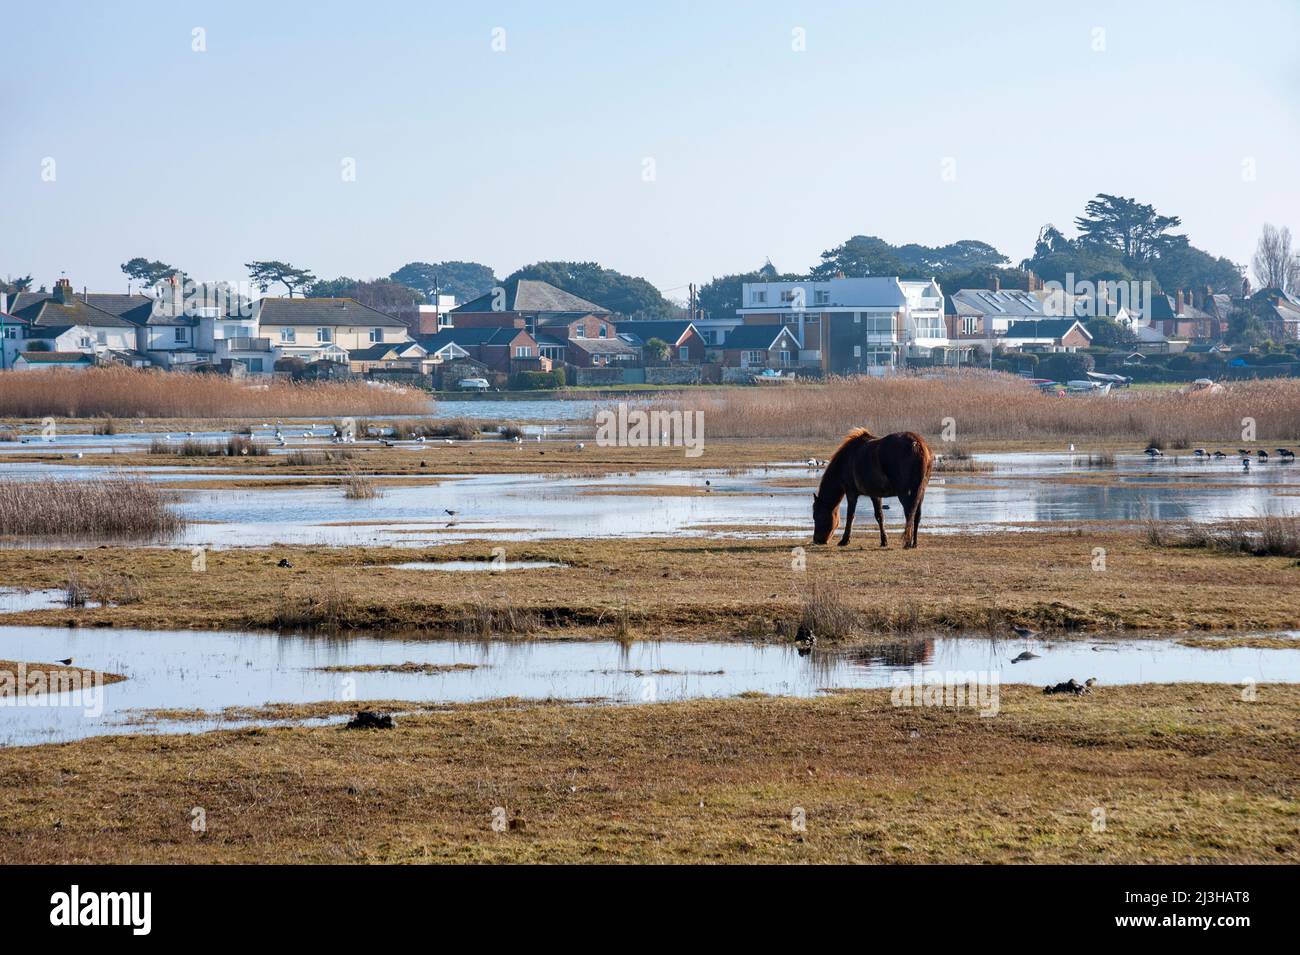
360 487
109 507
303 459
140 393
236 446
461 429
1268 536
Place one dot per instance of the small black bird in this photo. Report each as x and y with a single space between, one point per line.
284 562
67 662
449 513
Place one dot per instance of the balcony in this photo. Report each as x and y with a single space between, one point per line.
243 344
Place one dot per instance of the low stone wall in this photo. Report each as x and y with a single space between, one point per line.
674 375
597 376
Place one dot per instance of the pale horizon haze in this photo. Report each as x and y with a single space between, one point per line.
760 149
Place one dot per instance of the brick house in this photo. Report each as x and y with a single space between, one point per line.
685 343
759 346
507 349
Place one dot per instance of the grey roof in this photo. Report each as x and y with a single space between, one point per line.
667 331
1010 303
381 351
50 311
604 346
323 311
1042 328
470 337
532 295
755 336
867 292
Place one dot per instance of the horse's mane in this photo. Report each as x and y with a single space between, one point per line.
857 434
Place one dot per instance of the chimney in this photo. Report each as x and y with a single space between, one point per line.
1178 308
63 292
4 302
995 283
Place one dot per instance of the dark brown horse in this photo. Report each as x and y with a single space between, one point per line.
897 465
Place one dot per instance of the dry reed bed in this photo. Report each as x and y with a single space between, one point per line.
115 507
995 406
134 393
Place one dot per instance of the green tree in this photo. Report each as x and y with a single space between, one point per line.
383 294
1180 265
721 296
1246 327
1132 227
12 286
1107 332
655 349
269 272
860 256
148 272
465 280
1065 366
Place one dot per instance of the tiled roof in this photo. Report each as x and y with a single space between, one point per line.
49 311
323 311
1042 328
57 357
603 346
535 296
754 336
667 331
470 337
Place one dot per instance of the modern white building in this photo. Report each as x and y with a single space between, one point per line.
853 325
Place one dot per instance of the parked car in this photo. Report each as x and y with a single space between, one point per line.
473 384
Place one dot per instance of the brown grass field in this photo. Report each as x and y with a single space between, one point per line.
132 394
658 587
1182 773
985 405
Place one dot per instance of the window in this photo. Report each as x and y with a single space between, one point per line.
180 334
84 342
377 335
683 354
787 295
969 326
523 351
287 335
602 331
11 331
857 351
758 297
821 297
785 358
255 364
101 337
755 358
324 335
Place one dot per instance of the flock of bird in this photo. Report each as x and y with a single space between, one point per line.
1283 455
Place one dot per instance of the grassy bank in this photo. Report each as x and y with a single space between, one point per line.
984 405
133 394
661 587
1181 773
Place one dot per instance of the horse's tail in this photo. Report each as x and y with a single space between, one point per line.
925 458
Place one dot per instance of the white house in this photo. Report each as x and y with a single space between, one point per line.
852 325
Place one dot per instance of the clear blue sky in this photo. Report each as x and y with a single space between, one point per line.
208 160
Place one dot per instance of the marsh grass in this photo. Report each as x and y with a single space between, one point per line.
509 432
108 507
139 393
1100 459
1266 536
304 459
460 429
360 487
992 406
237 445
105 425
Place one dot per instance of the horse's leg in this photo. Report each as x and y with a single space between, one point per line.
916 517
848 518
880 521
905 498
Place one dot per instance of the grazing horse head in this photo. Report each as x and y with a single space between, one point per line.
826 517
